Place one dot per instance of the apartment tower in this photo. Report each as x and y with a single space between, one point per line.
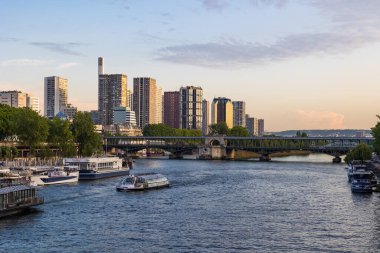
55 95
190 102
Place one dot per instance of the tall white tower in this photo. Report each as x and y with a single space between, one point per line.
100 66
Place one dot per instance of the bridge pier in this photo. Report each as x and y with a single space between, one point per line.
337 159
265 158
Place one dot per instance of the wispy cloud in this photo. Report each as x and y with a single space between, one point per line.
354 25
276 3
67 65
215 4
63 48
24 62
320 119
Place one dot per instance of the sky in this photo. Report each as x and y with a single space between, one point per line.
299 64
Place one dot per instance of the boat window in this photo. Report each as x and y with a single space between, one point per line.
128 180
362 176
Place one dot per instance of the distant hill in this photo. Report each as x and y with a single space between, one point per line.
326 133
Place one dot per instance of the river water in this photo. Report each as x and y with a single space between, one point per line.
287 205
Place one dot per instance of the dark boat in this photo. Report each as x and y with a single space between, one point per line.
17 195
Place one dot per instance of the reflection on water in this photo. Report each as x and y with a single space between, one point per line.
212 206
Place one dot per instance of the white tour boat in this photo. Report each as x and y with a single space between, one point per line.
141 182
59 175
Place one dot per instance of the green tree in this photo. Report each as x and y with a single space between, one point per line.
84 133
376 135
7 122
221 128
361 152
31 128
61 137
301 134
238 131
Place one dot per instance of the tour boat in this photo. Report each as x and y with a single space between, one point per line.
355 166
91 168
59 175
17 195
140 182
362 181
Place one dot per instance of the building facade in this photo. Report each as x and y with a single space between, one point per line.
130 99
171 109
13 98
159 107
190 102
222 111
252 125
70 111
55 95
239 113
33 103
205 116
261 129
145 101
124 116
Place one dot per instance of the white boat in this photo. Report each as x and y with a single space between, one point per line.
362 181
355 166
91 168
141 182
58 175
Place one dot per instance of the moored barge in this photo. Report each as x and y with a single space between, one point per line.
17 195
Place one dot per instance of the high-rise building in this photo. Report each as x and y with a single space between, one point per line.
124 116
70 111
33 103
112 93
252 125
13 98
145 101
239 113
95 117
158 104
190 101
206 116
171 108
261 128
55 95
222 111
130 99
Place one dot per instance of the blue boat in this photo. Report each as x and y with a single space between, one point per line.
362 181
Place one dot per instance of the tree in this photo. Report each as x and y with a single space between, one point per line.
301 134
84 134
31 128
376 135
220 128
61 137
7 122
361 152
238 131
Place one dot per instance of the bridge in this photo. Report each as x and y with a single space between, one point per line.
220 147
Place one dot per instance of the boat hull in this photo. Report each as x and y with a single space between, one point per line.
21 208
46 180
361 188
149 187
85 175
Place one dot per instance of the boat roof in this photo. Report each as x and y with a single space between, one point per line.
14 188
148 175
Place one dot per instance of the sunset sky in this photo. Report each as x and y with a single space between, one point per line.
301 64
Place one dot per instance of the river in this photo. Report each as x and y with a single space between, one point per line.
287 205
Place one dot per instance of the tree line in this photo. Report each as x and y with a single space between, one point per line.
27 127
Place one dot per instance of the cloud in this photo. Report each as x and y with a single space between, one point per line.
63 48
353 25
24 62
67 65
320 119
237 54
276 3
215 4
